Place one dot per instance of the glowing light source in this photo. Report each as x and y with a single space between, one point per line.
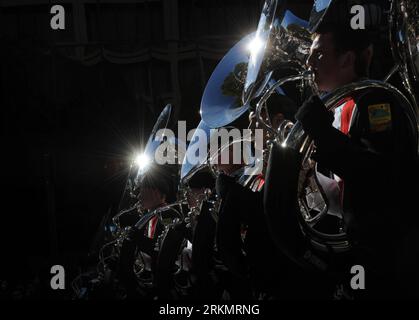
142 161
255 46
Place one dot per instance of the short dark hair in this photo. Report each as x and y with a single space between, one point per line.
278 103
346 39
158 177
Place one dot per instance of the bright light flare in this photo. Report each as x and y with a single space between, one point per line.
255 46
142 161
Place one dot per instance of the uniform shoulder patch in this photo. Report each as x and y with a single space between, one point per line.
379 117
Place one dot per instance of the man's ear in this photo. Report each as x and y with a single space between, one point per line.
367 54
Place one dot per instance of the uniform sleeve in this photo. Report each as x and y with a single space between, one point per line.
379 144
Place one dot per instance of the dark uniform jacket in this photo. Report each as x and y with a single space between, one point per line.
372 146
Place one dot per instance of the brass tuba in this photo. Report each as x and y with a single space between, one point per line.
246 72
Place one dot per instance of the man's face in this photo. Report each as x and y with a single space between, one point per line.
325 62
275 121
150 198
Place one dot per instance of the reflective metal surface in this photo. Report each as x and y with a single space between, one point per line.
258 47
221 102
284 44
152 143
409 34
273 87
196 153
161 123
148 216
290 44
318 13
404 40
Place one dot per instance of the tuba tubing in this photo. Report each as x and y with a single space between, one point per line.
307 75
147 217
